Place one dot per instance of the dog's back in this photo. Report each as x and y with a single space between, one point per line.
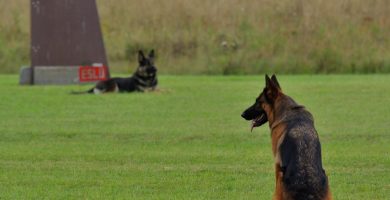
300 154
126 84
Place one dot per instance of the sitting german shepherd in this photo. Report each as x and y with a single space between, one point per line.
144 79
295 144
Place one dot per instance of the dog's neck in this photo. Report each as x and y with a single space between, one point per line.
281 106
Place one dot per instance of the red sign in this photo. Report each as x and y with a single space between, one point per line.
92 73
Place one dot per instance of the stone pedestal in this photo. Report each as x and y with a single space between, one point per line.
65 34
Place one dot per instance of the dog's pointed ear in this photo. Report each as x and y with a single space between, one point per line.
151 54
141 56
272 90
267 80
275 81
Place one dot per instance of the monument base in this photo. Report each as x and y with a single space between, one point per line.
61 75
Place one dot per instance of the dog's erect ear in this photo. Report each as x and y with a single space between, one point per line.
272 89
151 56
273 79
141 56
267 81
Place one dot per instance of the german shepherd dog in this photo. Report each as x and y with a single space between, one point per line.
143 79
295 144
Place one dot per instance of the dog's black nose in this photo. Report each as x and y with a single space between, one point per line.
243 115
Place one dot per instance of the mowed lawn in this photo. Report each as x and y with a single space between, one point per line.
187 141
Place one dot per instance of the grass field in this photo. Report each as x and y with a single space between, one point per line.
187 141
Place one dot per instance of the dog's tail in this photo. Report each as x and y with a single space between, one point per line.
90 91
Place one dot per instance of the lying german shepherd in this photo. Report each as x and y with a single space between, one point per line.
144 79
295 144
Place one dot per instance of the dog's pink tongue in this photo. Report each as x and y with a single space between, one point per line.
253 125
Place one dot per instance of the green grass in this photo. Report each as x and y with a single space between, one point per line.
187 141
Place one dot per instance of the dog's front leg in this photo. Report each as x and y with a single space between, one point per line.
279 185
